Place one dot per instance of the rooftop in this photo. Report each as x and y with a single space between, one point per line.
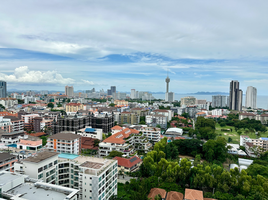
5 156
193 194
120 136
156 191
172 195
65 136
128 162
40 156
93 165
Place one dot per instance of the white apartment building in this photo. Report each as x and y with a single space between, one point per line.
95 178
188 101
168 113
42 166
154 120
151 133
20 187
8 102
12 137
64 142
116 129
251 97
126 141
88 131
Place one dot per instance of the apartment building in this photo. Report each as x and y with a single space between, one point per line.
17 124
8 102
140 111
128 118
7 161
42 166
116 129
151 133
154 120
120 103
188 101
20 187
90 132
64 142
74 107
168 113
95 178
5 124
29 121
12 137
263 117
126 141
249 143
75 123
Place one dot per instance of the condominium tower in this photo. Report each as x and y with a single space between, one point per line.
251 97
69 91
3 89
219 101
236 96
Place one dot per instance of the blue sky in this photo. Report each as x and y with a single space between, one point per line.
202 45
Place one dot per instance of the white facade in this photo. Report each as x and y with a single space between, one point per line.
69 91
29 99
154 120
169 96
88 131
151 133
251 97
133 94
219 101
217 112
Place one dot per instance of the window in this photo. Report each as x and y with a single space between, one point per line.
40 169
45 167
50 164
55 162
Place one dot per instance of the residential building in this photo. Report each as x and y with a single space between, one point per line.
7 161
29 99
74 123
74 107
142 112
89 143
168 113
235 149
120 103
20 187
64 142
191 110
113 89
154 120
251 97
236 96
219 101
90 132
125 141
12 137
69 91
3 89
29 121
30 143
131 164
128 118
17 124
133 94
116 129
191 194
8 102
6 125
153 134
188 101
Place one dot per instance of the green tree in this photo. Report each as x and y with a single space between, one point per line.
113 154
44 140
222 124
215 149
158 126
50 105
112 105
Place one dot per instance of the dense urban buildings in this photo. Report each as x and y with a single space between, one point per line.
236 96
3 89
251 97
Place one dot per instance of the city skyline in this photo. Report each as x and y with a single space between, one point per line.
116 44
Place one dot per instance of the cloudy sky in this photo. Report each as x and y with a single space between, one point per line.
203 45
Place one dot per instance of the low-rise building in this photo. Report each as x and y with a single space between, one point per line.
30 143
88 131
154 120
116 129
174 131
128 164
129 118
74 107
235 149
151 133
12 137
126 141
7 161
64 142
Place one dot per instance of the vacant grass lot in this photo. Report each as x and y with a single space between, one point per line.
234 135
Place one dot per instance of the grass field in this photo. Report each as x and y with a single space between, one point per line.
234 135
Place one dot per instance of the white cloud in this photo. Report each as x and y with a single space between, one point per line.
24 75
88 82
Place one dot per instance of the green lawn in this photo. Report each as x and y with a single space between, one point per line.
234 135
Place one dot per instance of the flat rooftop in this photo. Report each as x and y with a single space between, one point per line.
92 165
8 177
31 192
5 156
41 156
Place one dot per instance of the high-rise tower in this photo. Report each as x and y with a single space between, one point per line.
167 81
3 89
235 96
251 97
169 95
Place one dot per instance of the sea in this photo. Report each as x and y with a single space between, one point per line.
262 101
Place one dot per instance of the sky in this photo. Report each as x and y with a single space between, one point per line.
200 45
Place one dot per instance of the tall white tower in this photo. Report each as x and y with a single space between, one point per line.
169 95
167 81
251 97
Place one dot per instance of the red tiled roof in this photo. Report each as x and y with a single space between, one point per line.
172 195
160 110
8 114
37 134
156 191
193 194
201 113
117 128
118 138
247 114
179 138
88 143
126 162
209 199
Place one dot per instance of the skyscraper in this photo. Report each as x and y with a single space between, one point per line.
133 94
236 96
113 89
69 91
251 97
3 89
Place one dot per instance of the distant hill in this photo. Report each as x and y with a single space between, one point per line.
209 93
